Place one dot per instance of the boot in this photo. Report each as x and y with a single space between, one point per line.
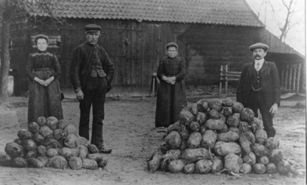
103 149
97 138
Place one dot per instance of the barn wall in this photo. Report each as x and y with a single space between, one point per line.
291 70
212 45
134 47
21 47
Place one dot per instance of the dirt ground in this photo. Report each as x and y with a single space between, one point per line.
129 130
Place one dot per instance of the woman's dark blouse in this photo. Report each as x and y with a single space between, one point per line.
43 60
172 67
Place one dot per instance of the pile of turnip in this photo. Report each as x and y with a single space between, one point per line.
51 143
217 136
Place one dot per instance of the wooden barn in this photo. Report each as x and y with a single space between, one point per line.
210 33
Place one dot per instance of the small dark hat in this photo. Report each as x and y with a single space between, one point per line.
171 44
92 27
259 45
41 36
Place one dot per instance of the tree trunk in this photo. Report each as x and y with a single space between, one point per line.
5 60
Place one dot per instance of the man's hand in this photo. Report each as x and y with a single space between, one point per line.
274 108
79 94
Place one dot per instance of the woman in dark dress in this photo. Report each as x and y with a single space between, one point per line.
171 96
44 70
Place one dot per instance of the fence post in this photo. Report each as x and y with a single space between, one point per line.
153 85
226 79
221 79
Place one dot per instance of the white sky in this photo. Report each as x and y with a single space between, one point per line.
275 17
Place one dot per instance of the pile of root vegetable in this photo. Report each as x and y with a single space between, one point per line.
51 143
219 136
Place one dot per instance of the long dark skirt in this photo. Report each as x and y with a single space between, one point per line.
170 101
44 101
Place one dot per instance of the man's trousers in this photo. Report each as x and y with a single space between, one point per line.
267 117
94 95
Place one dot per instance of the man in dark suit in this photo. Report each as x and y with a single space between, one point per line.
259 87
91 75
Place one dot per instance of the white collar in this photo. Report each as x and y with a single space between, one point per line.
258 64
260 61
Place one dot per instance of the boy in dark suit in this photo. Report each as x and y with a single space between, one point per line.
259 87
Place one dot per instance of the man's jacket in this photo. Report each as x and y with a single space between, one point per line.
270 85
81 65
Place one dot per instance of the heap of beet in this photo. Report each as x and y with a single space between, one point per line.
51 143
218 135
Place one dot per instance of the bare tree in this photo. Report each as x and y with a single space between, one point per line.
8 10
284 25
287 23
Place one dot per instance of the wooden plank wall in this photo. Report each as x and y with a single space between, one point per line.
134 47
215 45
291 70
21 47
290 77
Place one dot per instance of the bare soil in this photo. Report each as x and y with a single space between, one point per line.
129 130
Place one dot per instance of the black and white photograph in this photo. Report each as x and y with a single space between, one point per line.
153 92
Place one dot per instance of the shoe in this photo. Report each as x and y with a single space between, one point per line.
161 129
104 150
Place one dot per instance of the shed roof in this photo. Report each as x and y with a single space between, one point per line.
276 45
226 12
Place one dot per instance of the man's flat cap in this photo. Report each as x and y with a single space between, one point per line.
171 44
92 27
259 45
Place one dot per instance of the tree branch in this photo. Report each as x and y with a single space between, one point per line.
286 26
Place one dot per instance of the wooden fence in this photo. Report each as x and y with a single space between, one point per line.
225 76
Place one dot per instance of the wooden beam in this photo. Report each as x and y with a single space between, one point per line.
283 73
295 70
291 78
233 73
286 76
226 83
299 77
221 80
232 79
